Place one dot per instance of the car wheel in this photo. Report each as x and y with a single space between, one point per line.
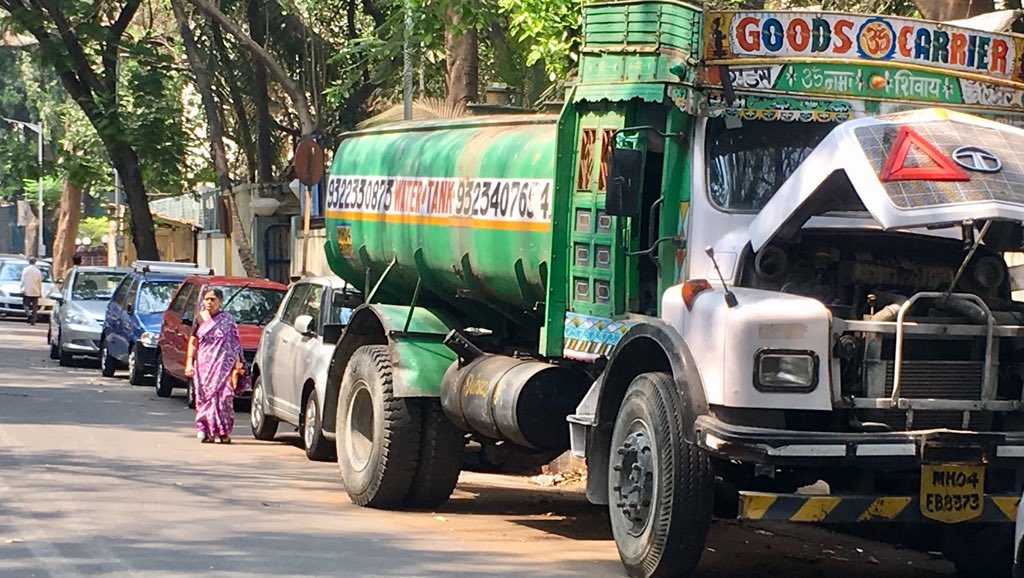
107 363
378 439
54 346
264 427
163 382
190 394
135 372
318 448
660 487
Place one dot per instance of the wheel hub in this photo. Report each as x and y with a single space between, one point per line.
257 407
310 423
633 491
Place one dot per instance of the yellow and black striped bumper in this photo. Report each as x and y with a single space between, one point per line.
846 509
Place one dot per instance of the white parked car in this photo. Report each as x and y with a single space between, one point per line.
11 299
294 354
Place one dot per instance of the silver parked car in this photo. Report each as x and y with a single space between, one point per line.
294 354
77 323
11 299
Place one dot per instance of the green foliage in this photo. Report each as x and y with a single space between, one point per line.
94 228
551 29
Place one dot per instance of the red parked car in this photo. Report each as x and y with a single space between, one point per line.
252 302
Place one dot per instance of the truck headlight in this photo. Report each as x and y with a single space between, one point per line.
782 370
149 339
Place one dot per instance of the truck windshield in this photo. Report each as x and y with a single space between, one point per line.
746 165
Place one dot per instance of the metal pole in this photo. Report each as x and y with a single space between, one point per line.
407 63
117 217
42 246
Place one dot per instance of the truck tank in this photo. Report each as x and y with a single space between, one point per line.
461 206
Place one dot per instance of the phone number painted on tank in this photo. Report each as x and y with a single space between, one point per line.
499 199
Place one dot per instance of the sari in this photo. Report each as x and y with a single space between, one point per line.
217 349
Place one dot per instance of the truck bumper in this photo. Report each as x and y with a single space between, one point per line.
848 509
818 448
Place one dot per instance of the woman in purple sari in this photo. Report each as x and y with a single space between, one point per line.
214 362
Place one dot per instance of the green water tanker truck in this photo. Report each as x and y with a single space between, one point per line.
754 251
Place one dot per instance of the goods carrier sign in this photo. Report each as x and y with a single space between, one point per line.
803 35
487 203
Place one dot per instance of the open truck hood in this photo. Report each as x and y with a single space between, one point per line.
929 167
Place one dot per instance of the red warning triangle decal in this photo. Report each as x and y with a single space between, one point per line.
894 170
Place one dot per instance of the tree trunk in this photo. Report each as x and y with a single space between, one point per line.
261 102
461 68
296 95
68 215
215 126
140 224
953 9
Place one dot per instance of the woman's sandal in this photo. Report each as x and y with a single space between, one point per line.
225 439
207 440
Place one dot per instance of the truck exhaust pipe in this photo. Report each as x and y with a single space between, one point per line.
522 401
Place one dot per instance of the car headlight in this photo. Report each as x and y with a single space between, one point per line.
78 319
785 371
149 339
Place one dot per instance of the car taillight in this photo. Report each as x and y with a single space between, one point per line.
693 288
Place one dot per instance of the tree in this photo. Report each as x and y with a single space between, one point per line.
84 46
215 130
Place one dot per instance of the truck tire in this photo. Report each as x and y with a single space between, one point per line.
164 383
263 426
318 448
378 434
660 488
980 550
440 462
135 371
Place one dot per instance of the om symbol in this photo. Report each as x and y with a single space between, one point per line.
876 39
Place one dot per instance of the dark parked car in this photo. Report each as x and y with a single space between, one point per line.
132 324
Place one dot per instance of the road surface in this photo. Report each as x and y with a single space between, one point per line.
100 478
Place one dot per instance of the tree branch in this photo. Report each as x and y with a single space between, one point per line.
298 98
113 42
86 74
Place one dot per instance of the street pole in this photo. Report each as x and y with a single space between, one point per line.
38 128
407 63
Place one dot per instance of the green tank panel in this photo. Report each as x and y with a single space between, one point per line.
462 207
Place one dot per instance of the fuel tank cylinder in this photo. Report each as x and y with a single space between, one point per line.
461 206
518 400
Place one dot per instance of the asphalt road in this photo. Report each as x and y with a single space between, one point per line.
100 478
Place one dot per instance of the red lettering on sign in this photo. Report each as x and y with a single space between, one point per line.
748 34
798 33
997 58
399 196
895 168
904 41
445 205
957 49
843 41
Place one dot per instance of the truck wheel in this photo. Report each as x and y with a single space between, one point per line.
660 487
108 365
263 426
441 446
980 550
378 434
318 448
135 373
164 383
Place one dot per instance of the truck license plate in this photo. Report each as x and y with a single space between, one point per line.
952 493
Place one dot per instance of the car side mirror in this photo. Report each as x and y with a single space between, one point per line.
625 174
56 296
186 320
305 324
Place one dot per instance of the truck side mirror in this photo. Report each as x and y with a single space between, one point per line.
625 174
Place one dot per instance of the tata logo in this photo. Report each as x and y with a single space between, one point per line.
977 159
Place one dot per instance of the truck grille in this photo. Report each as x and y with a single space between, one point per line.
954 380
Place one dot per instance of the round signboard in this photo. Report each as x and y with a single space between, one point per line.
309 162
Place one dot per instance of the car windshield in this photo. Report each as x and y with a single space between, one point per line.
12 271
95 285
746 165
154 296
251 305
342 304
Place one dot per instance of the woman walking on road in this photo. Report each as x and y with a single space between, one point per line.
215 364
